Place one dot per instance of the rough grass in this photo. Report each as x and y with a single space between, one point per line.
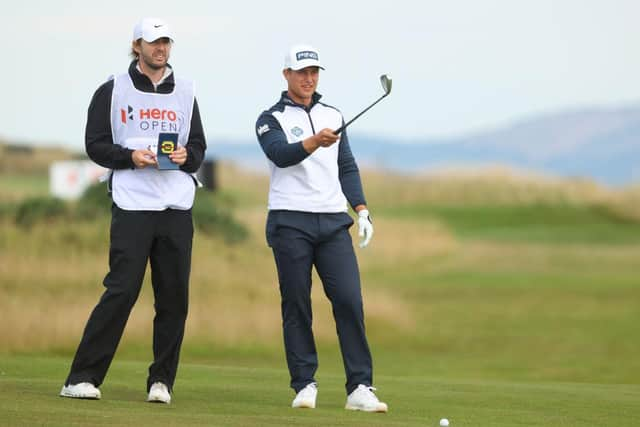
491 301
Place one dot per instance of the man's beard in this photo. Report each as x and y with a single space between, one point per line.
149 63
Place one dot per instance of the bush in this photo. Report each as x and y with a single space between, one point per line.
210 218
39 209
95 202
208 214
7 210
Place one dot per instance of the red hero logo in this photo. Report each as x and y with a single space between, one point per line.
158 114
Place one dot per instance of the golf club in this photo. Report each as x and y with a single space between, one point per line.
385 80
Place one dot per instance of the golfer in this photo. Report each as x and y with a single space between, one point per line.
313 176
151 212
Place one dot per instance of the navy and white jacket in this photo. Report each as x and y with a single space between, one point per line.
321 182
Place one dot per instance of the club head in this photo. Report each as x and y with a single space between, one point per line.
386 82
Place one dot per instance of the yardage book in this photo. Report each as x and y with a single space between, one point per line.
167 144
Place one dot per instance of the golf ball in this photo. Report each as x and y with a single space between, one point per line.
444 422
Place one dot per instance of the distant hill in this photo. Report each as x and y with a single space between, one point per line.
600 144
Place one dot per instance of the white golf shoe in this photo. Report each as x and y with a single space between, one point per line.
363 399
306 398
80 391
159 393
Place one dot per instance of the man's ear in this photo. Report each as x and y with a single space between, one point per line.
135 45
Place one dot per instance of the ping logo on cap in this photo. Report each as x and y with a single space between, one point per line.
306 54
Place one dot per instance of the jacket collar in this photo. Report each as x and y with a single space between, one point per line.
315 98
144 84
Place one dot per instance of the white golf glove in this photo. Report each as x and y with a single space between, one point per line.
365 227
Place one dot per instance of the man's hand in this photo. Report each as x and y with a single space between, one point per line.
179 155
365 227
324 138
143 158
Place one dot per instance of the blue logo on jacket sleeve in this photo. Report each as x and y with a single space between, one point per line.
297 131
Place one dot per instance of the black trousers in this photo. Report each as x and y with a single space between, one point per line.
299 241
164 238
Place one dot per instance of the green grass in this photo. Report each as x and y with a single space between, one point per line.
211 394
533 223
18 186
500 314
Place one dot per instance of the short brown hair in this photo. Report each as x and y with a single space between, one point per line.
133 54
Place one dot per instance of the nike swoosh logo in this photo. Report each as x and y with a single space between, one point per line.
157 26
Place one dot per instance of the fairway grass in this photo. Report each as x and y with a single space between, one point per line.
490 303
225 395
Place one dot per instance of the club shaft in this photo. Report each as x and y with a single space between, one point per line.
343 127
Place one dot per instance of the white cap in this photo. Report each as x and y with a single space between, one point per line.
302 56
151 29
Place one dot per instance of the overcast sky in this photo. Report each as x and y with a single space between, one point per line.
458 65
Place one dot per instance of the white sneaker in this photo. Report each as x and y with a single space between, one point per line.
306 398
159 393
363 399
80 391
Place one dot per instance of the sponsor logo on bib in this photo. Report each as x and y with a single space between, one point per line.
154 119
126 114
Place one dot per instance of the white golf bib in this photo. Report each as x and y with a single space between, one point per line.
137 119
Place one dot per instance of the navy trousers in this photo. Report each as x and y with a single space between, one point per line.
299 241
164 238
